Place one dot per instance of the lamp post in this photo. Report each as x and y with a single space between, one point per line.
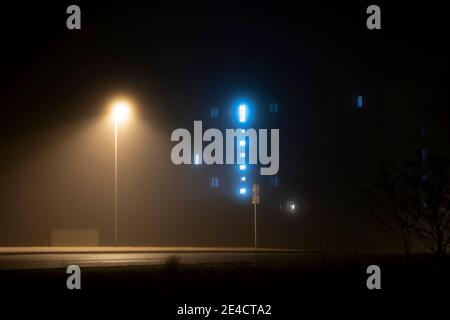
120 113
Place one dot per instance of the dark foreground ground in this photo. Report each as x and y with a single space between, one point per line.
329 284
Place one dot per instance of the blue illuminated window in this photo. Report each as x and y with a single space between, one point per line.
424 154
243 191
214 112
242 113
273 107
243 178
274 181
242 143
242 167
359 102
214 182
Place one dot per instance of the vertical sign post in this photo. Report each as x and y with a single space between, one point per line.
255 201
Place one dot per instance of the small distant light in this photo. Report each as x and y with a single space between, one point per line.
291 206
242 113
242 167
243 178
242 155
242 190
242 143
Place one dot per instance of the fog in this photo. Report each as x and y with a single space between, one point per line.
63 178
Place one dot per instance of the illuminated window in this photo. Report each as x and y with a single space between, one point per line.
214 182
359 102
243 191
242 143
242 155
242 167
243 178
274 181
273 107
242 113
214 112
424 154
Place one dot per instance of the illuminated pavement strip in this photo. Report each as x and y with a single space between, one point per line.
57 257
49 250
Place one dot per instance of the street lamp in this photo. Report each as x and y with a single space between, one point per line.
120 113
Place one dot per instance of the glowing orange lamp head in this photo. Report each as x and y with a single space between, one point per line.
121 111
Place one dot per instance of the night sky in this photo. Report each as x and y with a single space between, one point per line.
177 61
